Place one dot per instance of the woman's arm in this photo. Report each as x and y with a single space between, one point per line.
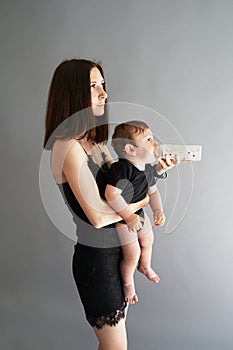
139 205
84 188
118 203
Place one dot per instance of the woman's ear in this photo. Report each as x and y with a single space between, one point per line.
130 149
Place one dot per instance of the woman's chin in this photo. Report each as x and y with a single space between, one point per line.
98 111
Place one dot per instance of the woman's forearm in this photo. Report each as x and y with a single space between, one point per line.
105 215
140 204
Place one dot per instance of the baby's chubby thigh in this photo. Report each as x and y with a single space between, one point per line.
130 247
125 236
146 235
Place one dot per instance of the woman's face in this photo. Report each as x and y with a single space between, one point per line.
98 95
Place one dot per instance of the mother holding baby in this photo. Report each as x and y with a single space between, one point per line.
79 161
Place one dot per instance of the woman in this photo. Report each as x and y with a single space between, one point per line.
79 157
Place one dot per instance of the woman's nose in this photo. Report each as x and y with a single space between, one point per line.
102 94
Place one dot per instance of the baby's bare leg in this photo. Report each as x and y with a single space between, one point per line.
131 254
146 239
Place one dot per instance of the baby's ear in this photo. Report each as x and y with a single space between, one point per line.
130 149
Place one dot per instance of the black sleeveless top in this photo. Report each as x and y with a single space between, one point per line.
87 234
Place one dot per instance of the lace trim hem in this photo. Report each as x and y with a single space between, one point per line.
108 320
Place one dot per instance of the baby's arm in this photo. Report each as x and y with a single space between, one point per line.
117 202
156 205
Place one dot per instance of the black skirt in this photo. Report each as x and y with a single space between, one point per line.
97 276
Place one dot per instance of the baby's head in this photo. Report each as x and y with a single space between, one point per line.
126 134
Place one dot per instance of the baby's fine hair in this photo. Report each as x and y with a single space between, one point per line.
125 133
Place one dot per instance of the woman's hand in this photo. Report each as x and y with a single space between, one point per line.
166 164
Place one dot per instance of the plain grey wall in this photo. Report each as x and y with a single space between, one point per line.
175 57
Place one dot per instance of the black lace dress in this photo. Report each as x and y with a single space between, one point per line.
96 259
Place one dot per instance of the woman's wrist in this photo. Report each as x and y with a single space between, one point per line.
140 204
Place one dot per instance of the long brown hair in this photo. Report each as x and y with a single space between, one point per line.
67 114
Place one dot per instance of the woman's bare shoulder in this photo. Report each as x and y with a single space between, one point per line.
62 148
64 151
61 145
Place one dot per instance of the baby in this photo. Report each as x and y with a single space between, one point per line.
128 181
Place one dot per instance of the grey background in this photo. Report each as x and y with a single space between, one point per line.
175 57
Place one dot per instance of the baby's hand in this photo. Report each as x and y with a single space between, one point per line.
159 217
134 222
166 163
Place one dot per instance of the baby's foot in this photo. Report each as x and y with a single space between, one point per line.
129 293
149 273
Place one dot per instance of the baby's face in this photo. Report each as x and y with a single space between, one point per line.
146 146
